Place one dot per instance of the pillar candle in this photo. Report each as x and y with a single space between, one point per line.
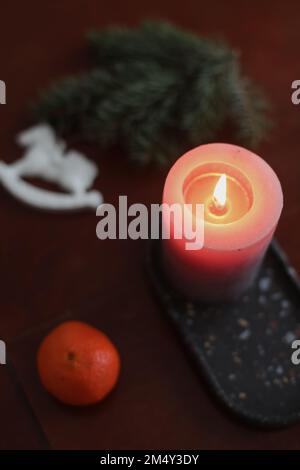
242 200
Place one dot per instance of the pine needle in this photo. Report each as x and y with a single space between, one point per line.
157 91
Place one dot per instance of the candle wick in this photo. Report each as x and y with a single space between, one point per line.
217 203
216 207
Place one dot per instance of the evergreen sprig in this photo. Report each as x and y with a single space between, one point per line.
157 91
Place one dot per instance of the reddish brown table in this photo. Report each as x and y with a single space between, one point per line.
53 266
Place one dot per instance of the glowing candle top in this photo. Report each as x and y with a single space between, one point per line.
241 194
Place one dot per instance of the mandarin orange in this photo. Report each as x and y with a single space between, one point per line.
78 364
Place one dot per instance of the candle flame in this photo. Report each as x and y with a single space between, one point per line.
219 194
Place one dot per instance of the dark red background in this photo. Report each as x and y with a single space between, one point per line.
53 266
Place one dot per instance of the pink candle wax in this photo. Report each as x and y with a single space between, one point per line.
242 200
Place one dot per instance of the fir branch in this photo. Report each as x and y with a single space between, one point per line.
157 91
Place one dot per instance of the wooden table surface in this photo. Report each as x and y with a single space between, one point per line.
53 267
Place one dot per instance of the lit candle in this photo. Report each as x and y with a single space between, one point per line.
242 200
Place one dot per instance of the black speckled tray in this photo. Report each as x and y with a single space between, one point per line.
244 348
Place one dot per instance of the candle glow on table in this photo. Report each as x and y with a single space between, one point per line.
242 200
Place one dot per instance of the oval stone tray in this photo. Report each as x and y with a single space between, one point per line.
244 348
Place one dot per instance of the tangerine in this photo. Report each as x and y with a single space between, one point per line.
78 364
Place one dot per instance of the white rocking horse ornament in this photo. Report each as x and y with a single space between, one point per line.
45 157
